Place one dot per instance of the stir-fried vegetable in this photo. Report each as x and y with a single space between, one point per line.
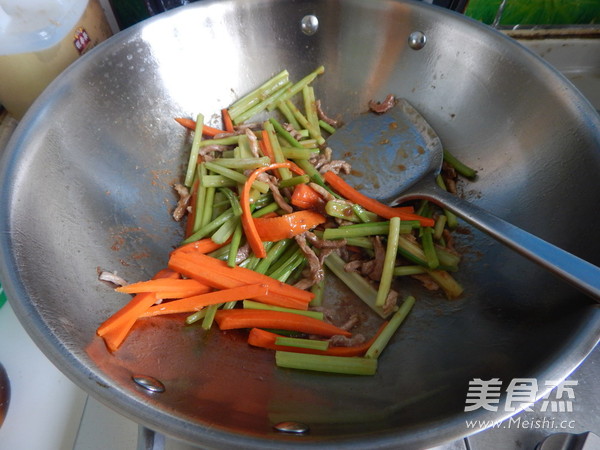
269 217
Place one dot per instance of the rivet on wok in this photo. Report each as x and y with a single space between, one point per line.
291 427
309 25
417 40
149 383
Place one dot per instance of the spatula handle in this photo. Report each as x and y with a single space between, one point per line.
580 273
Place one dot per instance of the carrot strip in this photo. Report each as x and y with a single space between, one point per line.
115 329
272 229
265 145
252 318
197 302
219 275
266 339
347 191
206 245
227 123
250 231
306 197
164 285
191 125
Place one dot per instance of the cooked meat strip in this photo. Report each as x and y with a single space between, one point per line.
336 167
324 156
343 341
381 107
426 281
253 143
334 123
390 302
315 267
182 203
279 198
290 129
323 243
371 268
243 253
322 191
204 151
450 177
111 277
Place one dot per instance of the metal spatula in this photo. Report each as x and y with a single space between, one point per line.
402 137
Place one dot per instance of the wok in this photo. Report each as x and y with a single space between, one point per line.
86 184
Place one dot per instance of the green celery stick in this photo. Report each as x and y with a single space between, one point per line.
387 274
386 334
326 363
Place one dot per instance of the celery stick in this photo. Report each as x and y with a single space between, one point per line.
313 344
225 231
217 181
193 159
450 286
299 153
195 317
361 241
235 245
325 363
229 140
237 177
386 334
310 107
273 254
326 127
287 255
401 271
459 166
200 197
268 102
428 248
210 227
385 283
319 290
286 135
300 179
243 163
342 210
254 97
315 133
367 229
278 154
207 212
438 228
285 111
291 264
297 87
208 319
233 201
272 207
250 304
363 214
357 284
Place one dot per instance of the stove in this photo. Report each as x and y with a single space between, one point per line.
48 412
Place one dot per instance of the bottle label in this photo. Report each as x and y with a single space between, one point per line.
82 40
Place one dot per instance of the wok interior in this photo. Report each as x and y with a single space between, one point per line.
91 188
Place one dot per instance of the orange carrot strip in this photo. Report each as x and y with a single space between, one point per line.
230 319
266 339
306 197
164 285
221 276
265 145
347 191
115 329
274 229
206 245
227 123
202 267
250 231
197 302
191 125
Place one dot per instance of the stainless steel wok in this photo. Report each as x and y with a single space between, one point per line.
86 184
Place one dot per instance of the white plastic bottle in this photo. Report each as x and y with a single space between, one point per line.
38 40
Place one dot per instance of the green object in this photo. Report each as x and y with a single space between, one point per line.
2 296
536 12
